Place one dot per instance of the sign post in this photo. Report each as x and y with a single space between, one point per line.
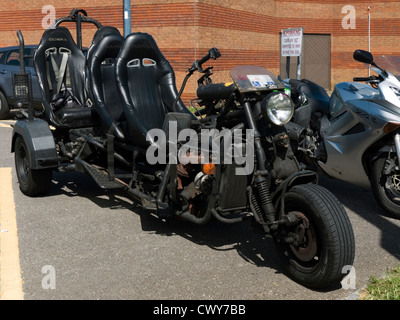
292 46
127 17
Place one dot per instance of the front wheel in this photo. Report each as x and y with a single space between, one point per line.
315 250
385 185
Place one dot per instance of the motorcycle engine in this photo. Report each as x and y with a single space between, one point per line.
193 187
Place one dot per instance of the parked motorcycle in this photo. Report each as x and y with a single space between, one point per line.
353 135
131 131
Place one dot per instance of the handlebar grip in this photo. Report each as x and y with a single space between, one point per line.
204 59
362 79
212 54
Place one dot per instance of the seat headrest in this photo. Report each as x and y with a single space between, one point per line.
108 46
101 33
141 45
58 37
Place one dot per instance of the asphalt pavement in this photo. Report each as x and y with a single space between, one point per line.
80 242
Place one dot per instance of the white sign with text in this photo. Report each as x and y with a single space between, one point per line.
292 42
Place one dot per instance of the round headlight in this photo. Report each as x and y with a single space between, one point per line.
278 108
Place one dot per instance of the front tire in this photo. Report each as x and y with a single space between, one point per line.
327 239
386 187
31 182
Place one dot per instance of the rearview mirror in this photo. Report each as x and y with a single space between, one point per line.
363 56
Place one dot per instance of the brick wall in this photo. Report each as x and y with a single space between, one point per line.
245 32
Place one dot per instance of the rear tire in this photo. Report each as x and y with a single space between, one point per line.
386 188
4 108
31 182
328 243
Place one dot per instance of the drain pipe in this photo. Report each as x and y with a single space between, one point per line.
127 17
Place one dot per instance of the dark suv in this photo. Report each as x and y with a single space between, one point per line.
9 64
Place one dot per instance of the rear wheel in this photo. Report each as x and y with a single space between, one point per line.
31 182
315 250
4 108
385 185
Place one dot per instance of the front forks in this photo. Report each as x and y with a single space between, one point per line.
390 162
397 144
391 169
261 180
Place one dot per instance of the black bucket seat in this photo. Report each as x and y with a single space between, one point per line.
107 102
147 84
60 68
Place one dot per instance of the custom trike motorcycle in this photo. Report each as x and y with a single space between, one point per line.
116 115
354 134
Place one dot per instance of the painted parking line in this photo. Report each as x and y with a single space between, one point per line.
6 123
10 270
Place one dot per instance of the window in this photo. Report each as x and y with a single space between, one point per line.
12 58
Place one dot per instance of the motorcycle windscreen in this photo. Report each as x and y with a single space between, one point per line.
254 78
389 63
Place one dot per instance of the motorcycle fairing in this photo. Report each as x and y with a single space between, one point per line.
347 91
348 138
352 120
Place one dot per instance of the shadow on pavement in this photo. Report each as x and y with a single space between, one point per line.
362 202
252 247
